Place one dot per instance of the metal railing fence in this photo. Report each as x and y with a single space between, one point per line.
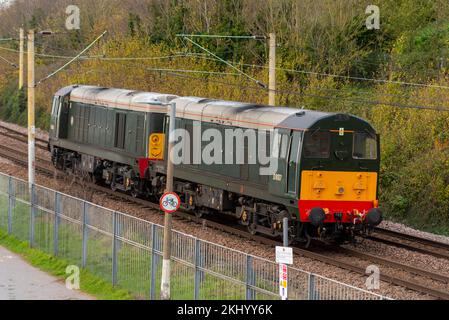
127 251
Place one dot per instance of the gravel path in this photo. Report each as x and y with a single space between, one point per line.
20 281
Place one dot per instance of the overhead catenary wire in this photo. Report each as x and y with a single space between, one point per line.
255 37
302 94
51 56
227 63
345 77
9 49
44 55
194 71
216 58
119 59
372 102
202 56
226 73
12 64
74 58
107 58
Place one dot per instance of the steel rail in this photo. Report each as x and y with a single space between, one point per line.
394 264
409 242
13 131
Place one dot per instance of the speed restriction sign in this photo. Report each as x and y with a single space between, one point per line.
170 202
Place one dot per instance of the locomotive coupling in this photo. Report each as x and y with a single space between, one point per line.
373 217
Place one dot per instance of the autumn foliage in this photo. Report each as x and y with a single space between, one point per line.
326 56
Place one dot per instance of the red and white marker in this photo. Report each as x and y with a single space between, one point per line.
170 202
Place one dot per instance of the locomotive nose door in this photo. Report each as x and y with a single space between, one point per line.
60 117
342 144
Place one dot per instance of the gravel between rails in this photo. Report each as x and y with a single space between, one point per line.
405 256
394 226
226 239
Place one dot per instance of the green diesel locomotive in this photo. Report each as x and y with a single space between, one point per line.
325 178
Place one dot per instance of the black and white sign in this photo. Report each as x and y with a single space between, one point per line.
284 255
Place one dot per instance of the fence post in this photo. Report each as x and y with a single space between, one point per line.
250 279
311 286
11 204
154 262
198 273
85 234
114 248
56 225
32 213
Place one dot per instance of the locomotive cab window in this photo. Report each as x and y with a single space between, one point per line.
293 161
120 130
317 144
55 107
364 146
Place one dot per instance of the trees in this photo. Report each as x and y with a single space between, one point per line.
315 37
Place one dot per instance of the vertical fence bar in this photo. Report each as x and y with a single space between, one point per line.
32 214
85 234
311 286
250 278
114 248
198 265
153 262
11 203
56 225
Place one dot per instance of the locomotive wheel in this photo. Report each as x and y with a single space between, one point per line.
199 213
113 186
252 229
134 192
96 180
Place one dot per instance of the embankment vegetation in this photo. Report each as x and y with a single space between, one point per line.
325 56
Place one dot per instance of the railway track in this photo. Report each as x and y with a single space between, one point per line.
45 167
20 136
409 242
21 158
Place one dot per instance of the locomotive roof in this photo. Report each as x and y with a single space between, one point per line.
117 98
231 113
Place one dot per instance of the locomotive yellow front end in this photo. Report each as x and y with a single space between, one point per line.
339 178
339 197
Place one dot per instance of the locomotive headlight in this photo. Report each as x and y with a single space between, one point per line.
155 139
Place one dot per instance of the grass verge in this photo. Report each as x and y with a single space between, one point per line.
89 283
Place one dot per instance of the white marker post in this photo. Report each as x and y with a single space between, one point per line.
284 257
31 124
166 204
